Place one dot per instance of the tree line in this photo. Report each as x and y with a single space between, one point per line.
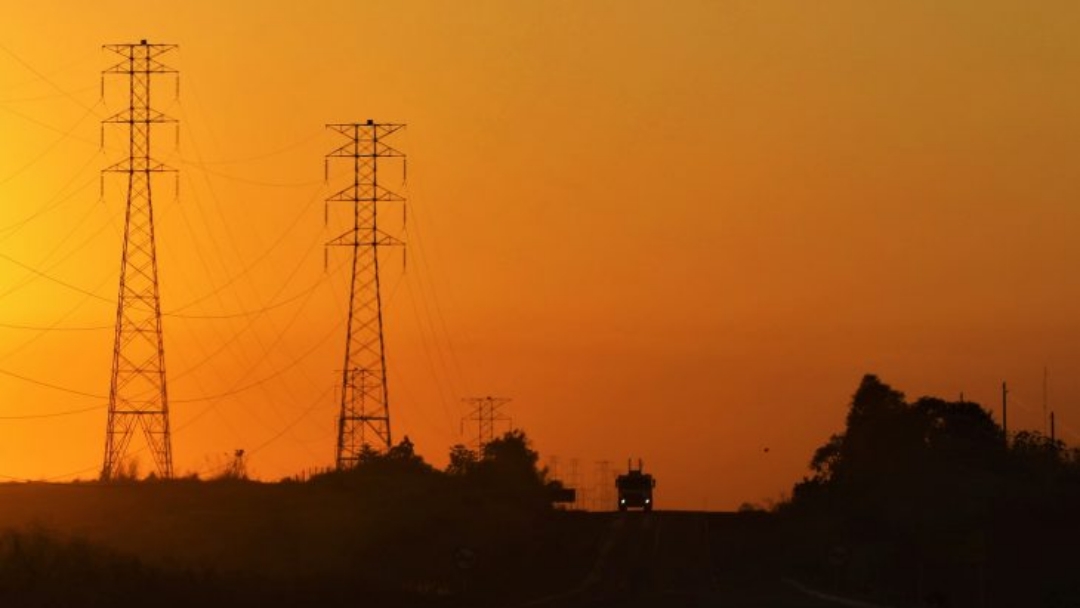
928 502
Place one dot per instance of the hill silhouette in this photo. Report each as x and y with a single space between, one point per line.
393 530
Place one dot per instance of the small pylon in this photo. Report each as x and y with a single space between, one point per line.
485 413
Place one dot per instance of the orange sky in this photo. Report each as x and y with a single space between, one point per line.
674 230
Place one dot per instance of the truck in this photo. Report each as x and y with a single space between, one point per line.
635 488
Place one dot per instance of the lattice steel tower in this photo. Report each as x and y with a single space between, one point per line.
364 420
138 399
485 413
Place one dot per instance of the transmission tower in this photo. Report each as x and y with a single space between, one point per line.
364 420
485 413
553 468
138 399
604 492
574 481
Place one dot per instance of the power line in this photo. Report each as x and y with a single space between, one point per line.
43 97
228 315
45 78
49 148
56 200
92 408
57 387
56 280
28 327
265 379
252 311
262 156
247 180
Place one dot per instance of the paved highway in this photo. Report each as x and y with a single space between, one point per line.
675 560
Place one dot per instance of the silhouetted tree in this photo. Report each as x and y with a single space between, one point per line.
508 468
959 432
930 491
511 457
891 446
1036 450
368 454
400 459
462 460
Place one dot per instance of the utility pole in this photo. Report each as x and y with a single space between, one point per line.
485 413
364 417
138 399
1046 399
1005 412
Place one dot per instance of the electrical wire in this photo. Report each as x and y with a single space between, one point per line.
54 328
92 408
56 280
280 433
42 76
258 157
431 294
241 388
251 312
96 145
83 58
42 97
38 273
266 352
246 180
45 384
48 149
230 315
55 201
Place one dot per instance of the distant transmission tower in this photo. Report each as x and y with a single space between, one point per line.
137 395
553 468
604 493
364 419
485 413
574 481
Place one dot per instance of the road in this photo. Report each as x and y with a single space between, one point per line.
675 560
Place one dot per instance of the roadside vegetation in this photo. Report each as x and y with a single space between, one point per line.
928 503
392 531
